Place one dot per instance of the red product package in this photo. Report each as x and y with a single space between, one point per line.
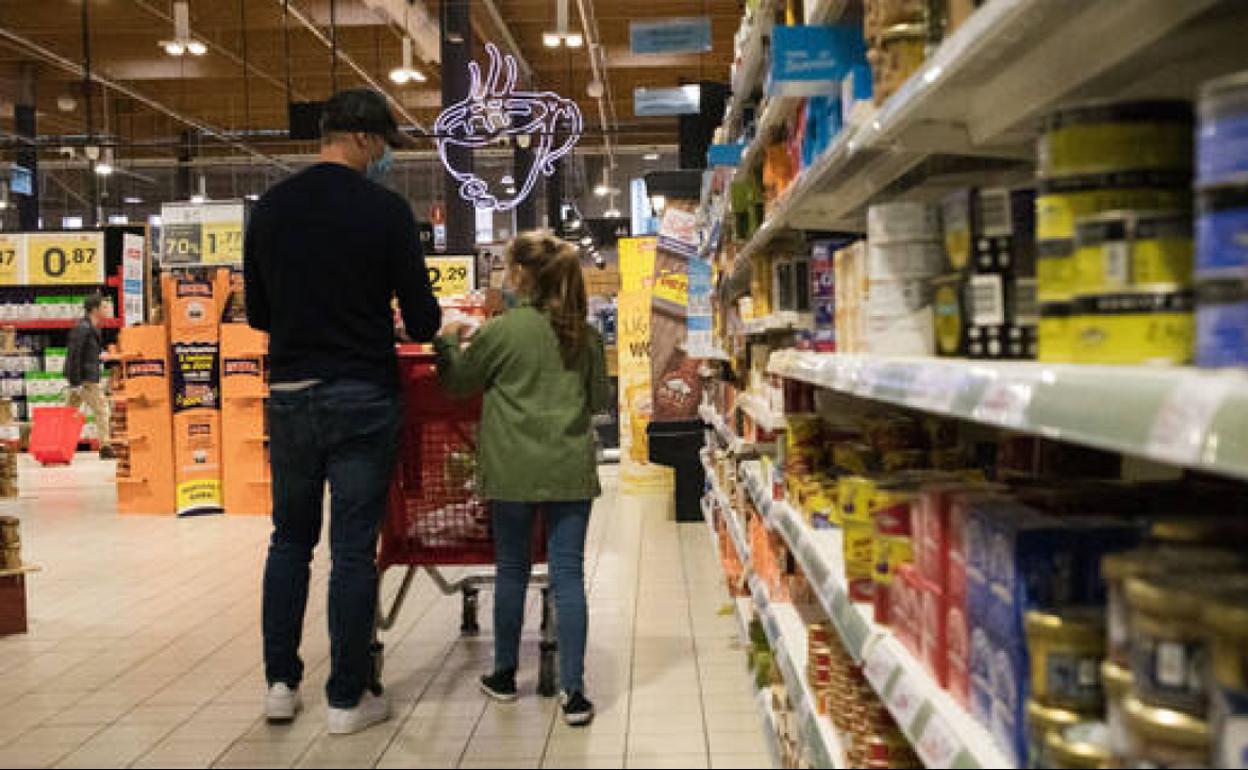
933 632
892 547
933 532
958 636
907 607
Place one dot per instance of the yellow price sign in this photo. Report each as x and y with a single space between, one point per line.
452 276
12 260
67 259
222 243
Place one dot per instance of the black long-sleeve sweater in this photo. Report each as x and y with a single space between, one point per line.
326 251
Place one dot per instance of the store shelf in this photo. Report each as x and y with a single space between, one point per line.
731 441
748 76
25 569
50 324
777 111
732 518
786 632
1183 416
785 320
743 608
761 413
979 96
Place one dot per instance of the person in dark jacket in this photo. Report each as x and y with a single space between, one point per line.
82 369
327 251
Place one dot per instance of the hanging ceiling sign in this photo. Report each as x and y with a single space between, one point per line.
667 36
664 102
494 110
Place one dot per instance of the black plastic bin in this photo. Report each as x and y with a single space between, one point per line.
677 445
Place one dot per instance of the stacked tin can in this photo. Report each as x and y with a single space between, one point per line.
902 255
1123 171
10 543
986 305
871 737
1222 223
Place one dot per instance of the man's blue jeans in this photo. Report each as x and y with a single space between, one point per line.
567 524
346 433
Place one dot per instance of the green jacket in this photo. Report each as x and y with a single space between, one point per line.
536 442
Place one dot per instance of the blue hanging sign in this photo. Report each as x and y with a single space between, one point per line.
812 60
665 102
724 155
667 36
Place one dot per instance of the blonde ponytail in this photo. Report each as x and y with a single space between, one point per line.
554 270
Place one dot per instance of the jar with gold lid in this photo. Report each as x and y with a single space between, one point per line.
1066 649
1081 746
1226 618
1164 738
1117 683
1042 720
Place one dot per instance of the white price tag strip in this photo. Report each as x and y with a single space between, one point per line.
1182 423
879 667
1005 402
938 745
904 701
936 388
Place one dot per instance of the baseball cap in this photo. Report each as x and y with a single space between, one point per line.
365 110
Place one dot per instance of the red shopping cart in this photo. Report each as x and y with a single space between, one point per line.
435 518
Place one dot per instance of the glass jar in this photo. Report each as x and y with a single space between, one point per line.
1164 738
1226 618
1067 647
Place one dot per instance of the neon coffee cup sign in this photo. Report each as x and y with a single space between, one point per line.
494 109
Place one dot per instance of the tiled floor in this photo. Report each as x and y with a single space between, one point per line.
144 651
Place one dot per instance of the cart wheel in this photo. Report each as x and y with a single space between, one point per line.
378 652
545 608
469 626
548 672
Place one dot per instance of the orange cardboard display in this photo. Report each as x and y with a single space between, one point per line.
244 439
195 302
148 486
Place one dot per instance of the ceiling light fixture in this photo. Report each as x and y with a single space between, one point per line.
560 36
132 200
407 73
651 156
182 42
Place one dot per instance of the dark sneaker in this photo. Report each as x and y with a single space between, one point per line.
501 686
577 710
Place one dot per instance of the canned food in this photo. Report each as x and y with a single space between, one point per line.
10 530
1116 568
819 635
1062 202
1170 646
1227 620
1056 334
1132 250
1082 746
1163 738
1222 145
11 557
1042 720
1103 137
1117 683
1055 270
1066 649
900 53
1222 323
1222 231
1135 327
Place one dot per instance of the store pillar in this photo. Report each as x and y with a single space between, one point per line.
182 179
26 128
461 222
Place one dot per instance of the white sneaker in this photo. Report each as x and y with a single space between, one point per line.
281 703
371 710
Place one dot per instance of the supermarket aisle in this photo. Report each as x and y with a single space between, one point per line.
144 652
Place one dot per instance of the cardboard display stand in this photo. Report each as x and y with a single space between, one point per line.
146 485
244 428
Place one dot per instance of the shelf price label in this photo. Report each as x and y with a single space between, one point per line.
938 745
1182 423
12 260
222 243
451 276
1005 402
64 259
209 233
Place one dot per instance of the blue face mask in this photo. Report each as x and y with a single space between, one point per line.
379 168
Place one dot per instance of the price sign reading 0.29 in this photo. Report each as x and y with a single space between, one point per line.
72 259
451 276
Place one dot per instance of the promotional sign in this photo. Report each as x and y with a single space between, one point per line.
699 310
633 329
12 260
64 259
196 427
813 60
133 277
209 233
147 483
691 35
494 109
452 276
666 102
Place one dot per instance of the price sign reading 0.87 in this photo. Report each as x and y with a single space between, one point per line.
12 260
451 276
65 258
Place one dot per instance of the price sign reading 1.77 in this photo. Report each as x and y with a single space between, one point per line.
64 259
452 276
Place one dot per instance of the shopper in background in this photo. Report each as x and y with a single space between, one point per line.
542 369
326 252
82 369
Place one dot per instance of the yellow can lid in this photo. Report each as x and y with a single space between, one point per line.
1165 725
1081 745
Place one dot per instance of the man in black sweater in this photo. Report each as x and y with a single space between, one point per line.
326 252
82 370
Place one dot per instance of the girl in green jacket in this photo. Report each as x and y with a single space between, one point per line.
542 370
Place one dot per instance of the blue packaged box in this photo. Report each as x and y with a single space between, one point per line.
1094 537
1032 563
980 667
976 538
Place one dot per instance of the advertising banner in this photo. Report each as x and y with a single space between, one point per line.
677 385
197 426
636 288
132 278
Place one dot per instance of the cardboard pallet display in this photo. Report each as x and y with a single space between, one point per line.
194 302
145 481
244 434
